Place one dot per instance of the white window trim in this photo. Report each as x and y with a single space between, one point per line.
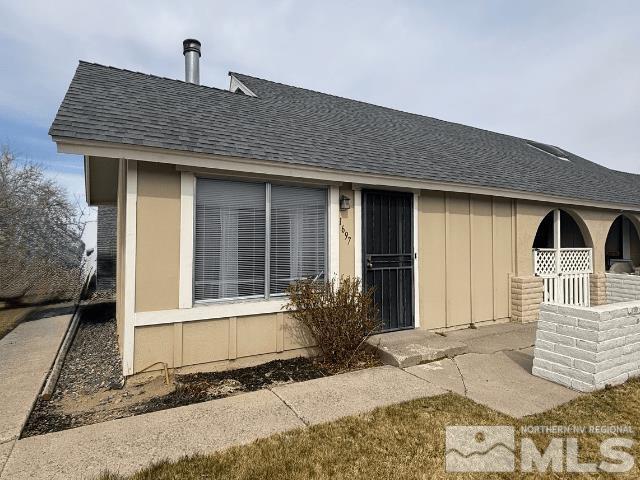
416 248
237 305
357 219
187 182
237 308
334 232
130 267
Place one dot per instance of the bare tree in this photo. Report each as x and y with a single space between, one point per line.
41 250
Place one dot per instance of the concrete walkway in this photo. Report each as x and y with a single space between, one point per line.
26 355
128 444
497 370
496 374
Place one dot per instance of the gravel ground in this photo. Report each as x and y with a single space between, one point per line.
92 365
91 388
93 361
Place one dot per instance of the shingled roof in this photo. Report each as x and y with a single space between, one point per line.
302 127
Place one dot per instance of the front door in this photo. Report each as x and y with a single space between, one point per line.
388 255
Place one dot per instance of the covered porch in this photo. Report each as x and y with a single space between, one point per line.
563 258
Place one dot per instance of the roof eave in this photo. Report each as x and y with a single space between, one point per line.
277 168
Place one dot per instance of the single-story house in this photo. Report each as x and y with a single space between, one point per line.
224 197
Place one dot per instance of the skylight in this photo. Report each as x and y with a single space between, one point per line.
549 149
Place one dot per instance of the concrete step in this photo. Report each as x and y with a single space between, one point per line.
407 348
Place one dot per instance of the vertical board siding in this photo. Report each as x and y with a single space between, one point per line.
466 256
432 239
481 237
502 256
458 256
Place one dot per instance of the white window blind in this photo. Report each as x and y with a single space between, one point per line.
229 239
298 235
254 239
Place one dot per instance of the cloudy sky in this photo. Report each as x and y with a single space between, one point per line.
561 72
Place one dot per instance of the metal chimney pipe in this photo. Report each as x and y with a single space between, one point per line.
191 51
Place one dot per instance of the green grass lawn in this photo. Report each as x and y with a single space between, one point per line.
404 441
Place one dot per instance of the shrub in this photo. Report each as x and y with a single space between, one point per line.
338 315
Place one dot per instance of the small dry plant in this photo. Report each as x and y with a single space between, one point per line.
338 314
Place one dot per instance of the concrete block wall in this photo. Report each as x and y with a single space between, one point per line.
587 348
598 289
526 296
622 287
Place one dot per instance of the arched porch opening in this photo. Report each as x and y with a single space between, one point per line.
563 257
572 235
622 247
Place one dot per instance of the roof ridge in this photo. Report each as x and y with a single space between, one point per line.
159 77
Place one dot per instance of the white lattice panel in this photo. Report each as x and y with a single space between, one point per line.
570 285
544 261
575 260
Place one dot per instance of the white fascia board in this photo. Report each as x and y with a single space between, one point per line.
274 168
416 260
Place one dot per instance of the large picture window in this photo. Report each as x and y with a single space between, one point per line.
254 239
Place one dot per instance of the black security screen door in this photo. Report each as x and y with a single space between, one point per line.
388 255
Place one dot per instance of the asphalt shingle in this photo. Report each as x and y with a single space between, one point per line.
302 127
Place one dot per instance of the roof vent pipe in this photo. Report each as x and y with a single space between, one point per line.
191 50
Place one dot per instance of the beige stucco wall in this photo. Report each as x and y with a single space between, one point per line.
158 237
347 236
221 342
594 223
465 258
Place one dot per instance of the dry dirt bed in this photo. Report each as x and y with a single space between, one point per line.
91 388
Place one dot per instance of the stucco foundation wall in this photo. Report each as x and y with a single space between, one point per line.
622 288
587 348
465 258
221 343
